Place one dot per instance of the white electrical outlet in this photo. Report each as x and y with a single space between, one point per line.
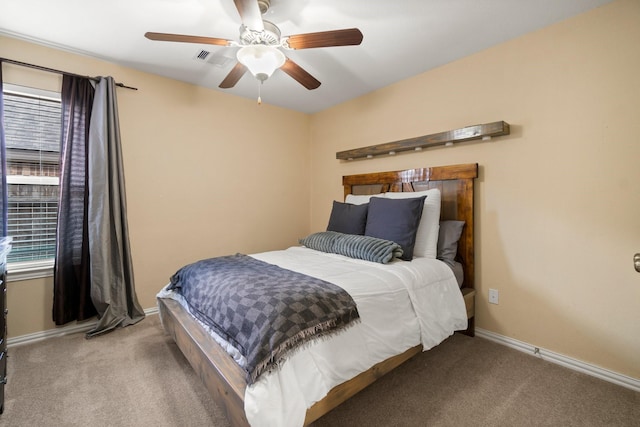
493 296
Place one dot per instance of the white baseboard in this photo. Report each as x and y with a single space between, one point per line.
559 359
58 332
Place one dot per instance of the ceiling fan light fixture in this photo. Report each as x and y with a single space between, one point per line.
261 60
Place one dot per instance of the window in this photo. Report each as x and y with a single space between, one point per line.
32 134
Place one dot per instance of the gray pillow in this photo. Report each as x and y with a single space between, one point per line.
359 247
347 218
450 232
396 220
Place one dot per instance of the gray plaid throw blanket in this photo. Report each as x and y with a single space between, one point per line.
263 310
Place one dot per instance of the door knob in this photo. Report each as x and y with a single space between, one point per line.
636 262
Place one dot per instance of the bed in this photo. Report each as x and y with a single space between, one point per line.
226 381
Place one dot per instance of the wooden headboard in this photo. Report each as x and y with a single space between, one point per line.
456 186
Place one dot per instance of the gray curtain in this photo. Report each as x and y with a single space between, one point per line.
112 285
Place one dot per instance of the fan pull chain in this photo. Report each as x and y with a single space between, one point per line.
259 91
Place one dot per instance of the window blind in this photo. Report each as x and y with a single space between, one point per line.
32 134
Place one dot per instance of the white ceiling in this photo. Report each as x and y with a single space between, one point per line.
402 38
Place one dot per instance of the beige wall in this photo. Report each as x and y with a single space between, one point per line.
558 206
207 174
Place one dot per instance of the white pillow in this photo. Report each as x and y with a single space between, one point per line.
360 199
427 235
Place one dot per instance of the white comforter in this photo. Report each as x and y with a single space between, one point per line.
401 304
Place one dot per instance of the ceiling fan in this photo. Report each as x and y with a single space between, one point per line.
260 42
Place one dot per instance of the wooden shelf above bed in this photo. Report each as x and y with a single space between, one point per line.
469 133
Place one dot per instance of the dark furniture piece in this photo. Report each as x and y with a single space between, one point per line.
5 247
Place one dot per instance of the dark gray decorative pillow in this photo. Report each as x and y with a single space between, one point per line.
396 220
347 218
450 232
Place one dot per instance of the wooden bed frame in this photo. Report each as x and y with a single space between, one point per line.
225 380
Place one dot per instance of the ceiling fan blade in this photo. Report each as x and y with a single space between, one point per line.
250 14
186 39
300 75
348 37
234 75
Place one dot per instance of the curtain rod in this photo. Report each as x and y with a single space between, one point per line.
52 70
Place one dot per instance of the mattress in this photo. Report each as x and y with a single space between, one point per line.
401 304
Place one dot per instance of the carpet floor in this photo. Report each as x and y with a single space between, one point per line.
136 376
